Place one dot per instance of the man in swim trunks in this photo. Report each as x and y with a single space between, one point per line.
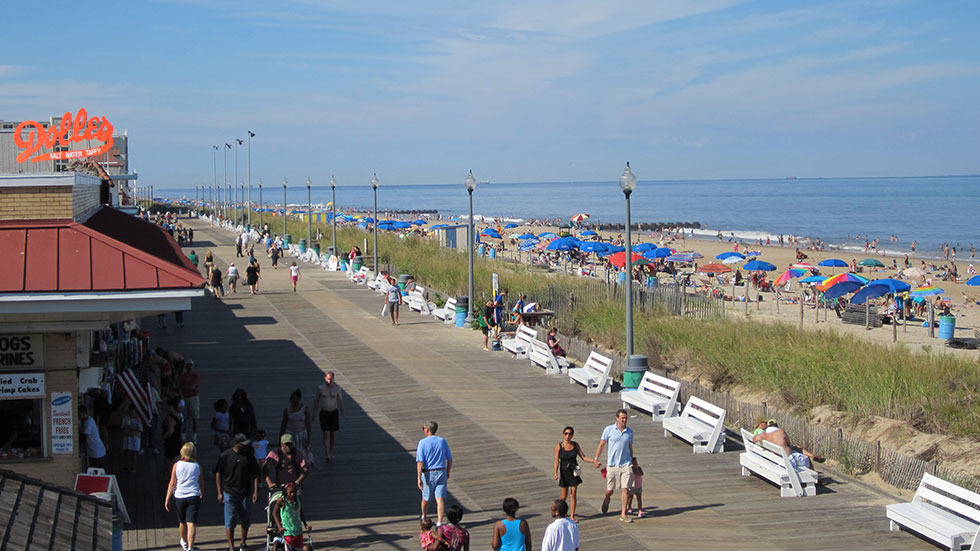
798 457
330 403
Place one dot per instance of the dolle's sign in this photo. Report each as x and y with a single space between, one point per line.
70 130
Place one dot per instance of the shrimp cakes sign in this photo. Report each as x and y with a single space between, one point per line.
32 136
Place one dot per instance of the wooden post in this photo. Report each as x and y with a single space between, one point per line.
801 307
746 298
877 463
867 314
932 318
777 300
895 325
816 311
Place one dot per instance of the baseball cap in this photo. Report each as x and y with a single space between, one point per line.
287 439
241 439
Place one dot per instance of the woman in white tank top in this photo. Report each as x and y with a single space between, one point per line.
185 493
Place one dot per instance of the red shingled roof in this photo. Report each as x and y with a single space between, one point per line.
112 251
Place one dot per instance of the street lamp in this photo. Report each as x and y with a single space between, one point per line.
224 204
627 182
309 214
261 206
374 185
333 212
284 208
241 186
470 186
250 136
238 142
214 182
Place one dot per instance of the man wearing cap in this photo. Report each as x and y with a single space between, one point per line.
433 461
190 385
285 464
237 478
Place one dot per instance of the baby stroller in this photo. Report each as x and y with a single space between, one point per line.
274 540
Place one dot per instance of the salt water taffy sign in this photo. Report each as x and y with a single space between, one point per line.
32 136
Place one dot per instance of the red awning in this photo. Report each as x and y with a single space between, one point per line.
111 251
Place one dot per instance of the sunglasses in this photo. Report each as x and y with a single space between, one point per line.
568 433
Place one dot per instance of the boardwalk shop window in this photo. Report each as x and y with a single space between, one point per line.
21 434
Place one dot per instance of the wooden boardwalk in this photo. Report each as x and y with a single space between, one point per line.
501 417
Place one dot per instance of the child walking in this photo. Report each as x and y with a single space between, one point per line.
132 432
221 425
636 490
261 447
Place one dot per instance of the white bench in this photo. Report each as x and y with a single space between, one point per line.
379 283
701 424
360 277
416 301
656 394
520 344
540 354
771 462
940 511
448 311
595 374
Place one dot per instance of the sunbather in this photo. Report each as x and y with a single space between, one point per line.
767 429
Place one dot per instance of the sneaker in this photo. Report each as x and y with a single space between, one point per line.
183 544
629 511
605 505
640 514
626 519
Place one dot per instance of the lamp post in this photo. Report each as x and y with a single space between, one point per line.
214 182
470 186
224 204
261 206
241 186
627 182
250 136
333 212
284 208
238 142
374 186
309 214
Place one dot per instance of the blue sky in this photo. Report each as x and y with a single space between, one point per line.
517 91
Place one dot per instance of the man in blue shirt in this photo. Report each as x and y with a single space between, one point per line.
619 459
433 460
498 312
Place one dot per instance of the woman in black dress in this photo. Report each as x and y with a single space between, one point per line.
252 276
567 453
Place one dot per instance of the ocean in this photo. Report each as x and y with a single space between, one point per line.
929 210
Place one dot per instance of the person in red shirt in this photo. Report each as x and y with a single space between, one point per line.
190 385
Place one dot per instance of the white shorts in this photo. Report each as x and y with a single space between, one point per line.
619 477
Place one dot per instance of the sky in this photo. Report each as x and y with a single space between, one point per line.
517 91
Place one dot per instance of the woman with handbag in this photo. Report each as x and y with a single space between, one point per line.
568 473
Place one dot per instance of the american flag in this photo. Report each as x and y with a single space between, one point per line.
135 382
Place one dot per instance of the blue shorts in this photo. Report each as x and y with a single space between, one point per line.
236 511
433 482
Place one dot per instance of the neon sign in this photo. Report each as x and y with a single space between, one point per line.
75 129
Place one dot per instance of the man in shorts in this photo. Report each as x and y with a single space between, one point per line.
798 457
619 460
393 296
237 477
433 461
330 403
190 386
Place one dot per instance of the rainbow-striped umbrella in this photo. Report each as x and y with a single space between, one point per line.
926 291
788 275
840 278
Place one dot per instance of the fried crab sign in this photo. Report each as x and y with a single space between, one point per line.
32 136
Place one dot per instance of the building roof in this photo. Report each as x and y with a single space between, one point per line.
111 251
40 515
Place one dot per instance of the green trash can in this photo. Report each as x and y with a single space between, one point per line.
356 264
289 239
636 366
302 245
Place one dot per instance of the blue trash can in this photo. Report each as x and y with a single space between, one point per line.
621 278
947 327
462 306
493 252
481 250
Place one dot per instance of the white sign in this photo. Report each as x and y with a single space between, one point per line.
62 423
496 283
20 351
21 385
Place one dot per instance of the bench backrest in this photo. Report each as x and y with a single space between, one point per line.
664 388
450 304
949 496
526 334
710 415
539 353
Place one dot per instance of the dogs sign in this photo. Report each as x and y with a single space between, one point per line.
32 137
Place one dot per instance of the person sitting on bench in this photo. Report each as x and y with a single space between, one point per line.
767 429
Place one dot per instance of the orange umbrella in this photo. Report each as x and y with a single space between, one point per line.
714 269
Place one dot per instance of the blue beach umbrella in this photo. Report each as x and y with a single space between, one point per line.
597 247
511 225
402 225
548 235
681 257
490 232
975 280
643 247
730 254
878 288
588 233
612 249
563 244
527 236
814 279
753 253
420 222
528 245
842 289
386 226
759 265
833 263
438 226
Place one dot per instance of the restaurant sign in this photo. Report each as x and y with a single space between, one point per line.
32 136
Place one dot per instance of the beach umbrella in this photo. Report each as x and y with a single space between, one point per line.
839 278
580 217
527 236
732 260
730 254
510 225
788 275
619 259
386 226
753 253
879 287
401 225
926 291
754 265
841 289
915 273
803 266
547 235
588 233
563 244
612 249
490 232
660 252
975 280
594 247
680 257
714 269
643 247
528 244
833 263
814 279
420 222
871 262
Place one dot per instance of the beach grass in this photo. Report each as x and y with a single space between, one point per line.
933 392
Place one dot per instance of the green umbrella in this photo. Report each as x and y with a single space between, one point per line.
871 263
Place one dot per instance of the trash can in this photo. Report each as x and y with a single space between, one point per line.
462 307
402 280
302 245
621 278
316 248
481 250
947 327
343 264
289 239
356 264
330 251
492 252
636 366
651 281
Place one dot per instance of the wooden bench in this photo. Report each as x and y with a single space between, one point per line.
540 354
656 394
520 344
940 511
417 301
771 462
595 374
700 423
448 311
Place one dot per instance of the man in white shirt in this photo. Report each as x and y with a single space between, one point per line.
562 534
94 447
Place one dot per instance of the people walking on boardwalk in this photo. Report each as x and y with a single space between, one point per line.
296 422
232 278
221 425
242 413
189 384
294 274
619 459
393 299
433 463
185 493
287 513
173 431
636 490
252 276
216 286
285 464
511 533
562 533
567 470
236 476
329 404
